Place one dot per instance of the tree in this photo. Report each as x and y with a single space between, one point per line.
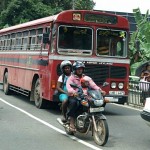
18 11
84 4
141 36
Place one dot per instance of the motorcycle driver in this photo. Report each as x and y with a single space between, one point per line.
76 76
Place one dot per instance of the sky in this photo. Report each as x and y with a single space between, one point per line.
123 5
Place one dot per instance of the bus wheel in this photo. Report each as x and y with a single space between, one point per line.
6 84
39 102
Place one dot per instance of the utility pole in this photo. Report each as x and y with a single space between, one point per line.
73 5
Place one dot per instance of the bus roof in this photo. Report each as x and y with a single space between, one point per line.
67 17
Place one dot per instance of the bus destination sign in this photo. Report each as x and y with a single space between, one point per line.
99 18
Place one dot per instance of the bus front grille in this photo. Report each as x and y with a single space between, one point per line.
99 73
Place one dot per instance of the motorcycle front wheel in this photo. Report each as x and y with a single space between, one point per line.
101 135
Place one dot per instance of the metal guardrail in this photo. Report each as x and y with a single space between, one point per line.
138 92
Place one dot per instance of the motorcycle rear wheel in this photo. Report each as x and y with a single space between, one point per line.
101 135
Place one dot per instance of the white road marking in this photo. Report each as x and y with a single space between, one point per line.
51 126
129 107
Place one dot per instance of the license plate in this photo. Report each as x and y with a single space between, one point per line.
111 99
98 109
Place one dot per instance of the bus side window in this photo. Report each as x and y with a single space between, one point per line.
13 36
46 37
5 42
8 44
2 42
39 38
25 40
32 43
53 40
18 41
24 43
13 44
39 41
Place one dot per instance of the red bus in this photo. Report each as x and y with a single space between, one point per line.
31 53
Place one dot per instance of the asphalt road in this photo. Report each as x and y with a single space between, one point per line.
23 126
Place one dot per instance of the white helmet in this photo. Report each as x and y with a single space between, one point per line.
65 63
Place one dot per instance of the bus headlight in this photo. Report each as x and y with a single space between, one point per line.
113 85
120 85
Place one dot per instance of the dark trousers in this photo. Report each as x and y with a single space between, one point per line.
73 107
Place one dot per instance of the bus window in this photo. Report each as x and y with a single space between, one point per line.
18 41
111 43
39 41
25 40
24 43
32 42
40 31
74 38
8 44
13 44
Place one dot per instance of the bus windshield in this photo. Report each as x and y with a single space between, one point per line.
75 40
111 43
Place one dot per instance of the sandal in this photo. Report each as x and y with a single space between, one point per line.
72 129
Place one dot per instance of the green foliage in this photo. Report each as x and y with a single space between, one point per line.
142 34
84 4
18 11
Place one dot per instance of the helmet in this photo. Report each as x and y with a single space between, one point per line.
65 63
78 64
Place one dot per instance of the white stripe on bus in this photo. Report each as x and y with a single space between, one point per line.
34 69
74 58
98 59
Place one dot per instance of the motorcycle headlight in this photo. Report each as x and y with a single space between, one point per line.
113 85
120 85
98 102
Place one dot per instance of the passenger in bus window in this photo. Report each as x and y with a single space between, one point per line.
75 78
66 68
63 38
103 46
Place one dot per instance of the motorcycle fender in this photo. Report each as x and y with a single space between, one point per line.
102 117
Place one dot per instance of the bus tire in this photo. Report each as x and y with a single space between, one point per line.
6 84
39 102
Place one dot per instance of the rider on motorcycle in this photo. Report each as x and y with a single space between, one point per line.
76 77
66 69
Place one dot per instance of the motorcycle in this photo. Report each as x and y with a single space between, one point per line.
90 117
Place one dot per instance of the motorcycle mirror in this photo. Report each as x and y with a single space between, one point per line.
105 84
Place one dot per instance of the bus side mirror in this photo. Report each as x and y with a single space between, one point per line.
45 38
